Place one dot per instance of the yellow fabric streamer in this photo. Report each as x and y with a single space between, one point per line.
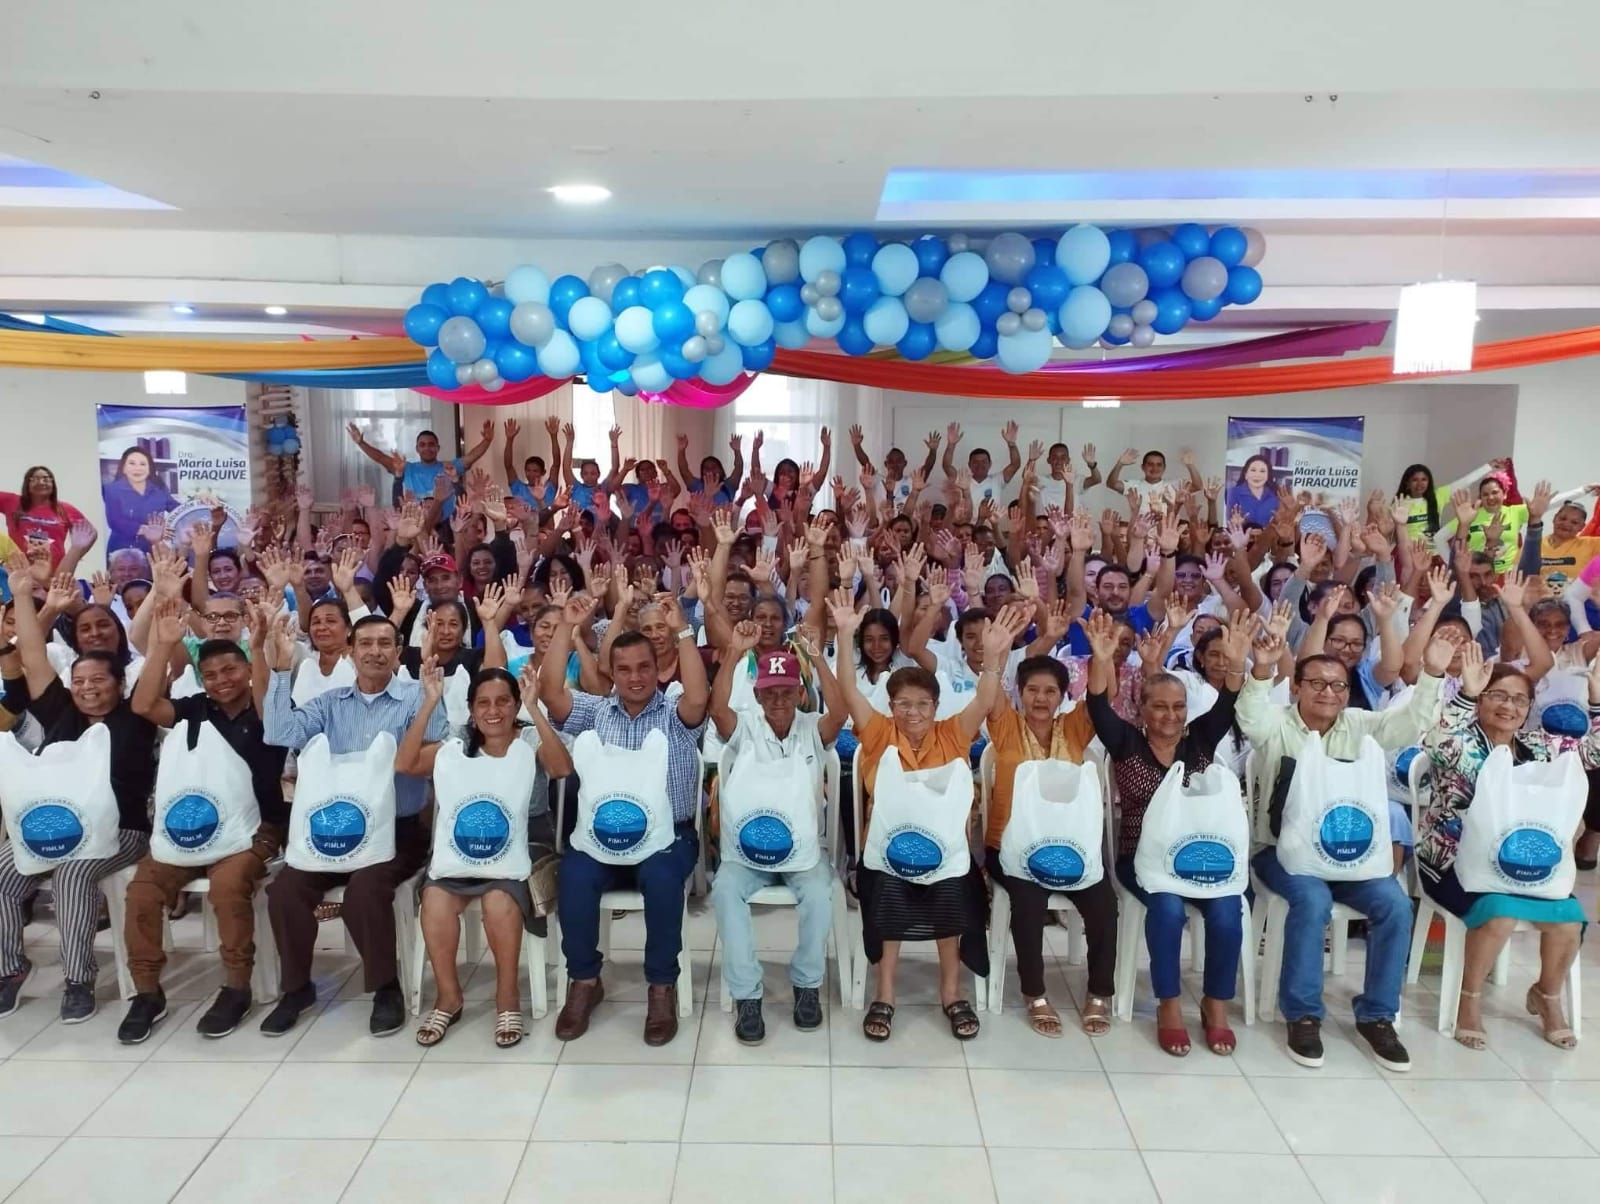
25 349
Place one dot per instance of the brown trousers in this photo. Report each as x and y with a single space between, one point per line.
155 888
368 910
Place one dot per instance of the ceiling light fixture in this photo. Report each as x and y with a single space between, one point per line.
183 309
579 194
164 382
1435 327
275 311
1101 403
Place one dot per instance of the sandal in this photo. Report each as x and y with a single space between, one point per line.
435 1025
1043 1018
963 1020
878 1023
1220 1038
508 1028
1561 1038
1472 1038
327 911
1174 1041
1097 1016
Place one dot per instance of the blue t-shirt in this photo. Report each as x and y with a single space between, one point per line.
524 491
639 499
1138 617
722 497
583 495
420 478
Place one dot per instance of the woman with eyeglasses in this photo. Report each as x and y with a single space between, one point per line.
1343 636
1488 713
37 513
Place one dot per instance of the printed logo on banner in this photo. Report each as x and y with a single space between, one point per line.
1203 858
192 822
619 824
1058 865
482 829
1346 832
1528 855
339 827
913 852
52 829
766 839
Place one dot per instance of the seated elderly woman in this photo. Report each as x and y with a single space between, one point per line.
1488 713
949 911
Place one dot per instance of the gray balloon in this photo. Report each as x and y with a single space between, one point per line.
781 261
604 278
1010 256
461 340
495 385
809 294
1019 300
829 308
958 243
1255 246
694 348
1142 336
483 371
926 299
1034 319
1124 283
1152 234
1144 313
710 273
463 374
714 344
1204 278
532 323
1120 326
827 283
706 322
1007 323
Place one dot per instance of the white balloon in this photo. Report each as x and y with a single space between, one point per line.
1018 300
483 371
1034 319
464 374
495 385
1142 336
958 243
695 348
1007 323
1121 326
1144 313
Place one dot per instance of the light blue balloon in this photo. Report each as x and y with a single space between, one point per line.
750 321
895 265
684 275
636 329
886 321
1025 351
820 254
964 275
957 329
589 318
823 328
743 278
527 283
560 356
724 367
1085 314
1083 253
650 375
791 335
707 297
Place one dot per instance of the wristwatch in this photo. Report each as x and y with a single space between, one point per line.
686 634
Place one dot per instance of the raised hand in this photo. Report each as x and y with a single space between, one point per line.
722 527
1168 534
1089 456
1436 657
1514 590
403 596
1001 633
1466 509
1236 642
1129 456
280 644
1313 551
512 429
343 569
744 637
1475 670
1215 567
576 609
1384 601
552 426
1329 606
1035 451
1101 630
953 434
857 435
490 603
846 619
1009 432
432 676
932 441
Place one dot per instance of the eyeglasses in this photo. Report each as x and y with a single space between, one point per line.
1500 698
907 706
1321 685
1345 642
222 616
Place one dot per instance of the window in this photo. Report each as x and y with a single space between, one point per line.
788 419
593 416
390 419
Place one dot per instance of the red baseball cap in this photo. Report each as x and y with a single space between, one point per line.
443 562
776 669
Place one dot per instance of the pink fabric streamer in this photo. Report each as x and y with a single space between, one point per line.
1314 343
698 395
476 395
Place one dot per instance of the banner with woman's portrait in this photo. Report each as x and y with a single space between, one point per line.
176 463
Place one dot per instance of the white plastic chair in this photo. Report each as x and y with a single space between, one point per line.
407 935
1419 789
1455 948
783 896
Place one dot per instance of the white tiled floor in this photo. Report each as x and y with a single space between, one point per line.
327 1113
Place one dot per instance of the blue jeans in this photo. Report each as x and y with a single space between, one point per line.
1164 920
736 882
1388 910
660 878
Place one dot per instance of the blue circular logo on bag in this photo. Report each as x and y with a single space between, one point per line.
1528 855
1203 862
1402 767
1346 833
482 830
619 824
765 840
192 822
1564 719
911 853
1058 866
51 830
337 829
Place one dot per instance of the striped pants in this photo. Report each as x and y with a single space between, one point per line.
75 885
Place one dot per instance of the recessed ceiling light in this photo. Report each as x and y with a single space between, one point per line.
183 309
579 194
275 311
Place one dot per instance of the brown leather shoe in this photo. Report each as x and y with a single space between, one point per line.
582 998
661 1014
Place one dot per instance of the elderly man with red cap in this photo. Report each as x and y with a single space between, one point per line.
771 776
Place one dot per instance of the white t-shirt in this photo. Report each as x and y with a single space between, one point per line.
1052 493
991 488
1146 488
754 737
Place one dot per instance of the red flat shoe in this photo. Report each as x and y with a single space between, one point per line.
1174 1041
1221 1041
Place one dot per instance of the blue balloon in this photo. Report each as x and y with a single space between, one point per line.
858 289
1191 238
1048 285
649 375
1244 285
1044 250
437 294
677 367
990 302
1124 245
964 275
624 385
635 330
1024 351
760 356
658 287
1084 314
823 328
724 367
783 302
1163 262
1204 311
1172 310
750 323
559 357
852 337
588 318
958 327
742 277
1114 340
494 318
441 371
791 335
895 265
565 292
600 382
859 248
625 295
708 298
931 252
1083 253
466 295
985 345
820 254
527 283
593 369
920 341
612 354
1229 244
672 321
1052 321
886 322
422 323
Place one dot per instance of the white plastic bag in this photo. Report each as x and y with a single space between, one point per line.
1335 822
1056 831
343 814
1195 839
624 814
918 829
1516 837
206 807
58 805
480 824
769 811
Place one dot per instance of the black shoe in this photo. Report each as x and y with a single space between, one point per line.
11 989
284 1017
747 1023
1385 1044
807 1008
77 1002
1305 1041
145 1010
231 1005
388 1011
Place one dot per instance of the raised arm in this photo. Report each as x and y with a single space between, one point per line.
691 669
1513 596
393 461
999 634
683 462
1013 457
741 639
1128 457
36 665
948 460
150 691
416 752
553 691
845 624
484 443
1385 605
508 454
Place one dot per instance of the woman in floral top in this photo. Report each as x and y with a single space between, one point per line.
1486 714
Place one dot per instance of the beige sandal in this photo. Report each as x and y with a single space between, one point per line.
507 1028
1043 1018
1561 1038
1097 1016
1472 1038
435 1025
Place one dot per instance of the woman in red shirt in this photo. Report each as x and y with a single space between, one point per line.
36 512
